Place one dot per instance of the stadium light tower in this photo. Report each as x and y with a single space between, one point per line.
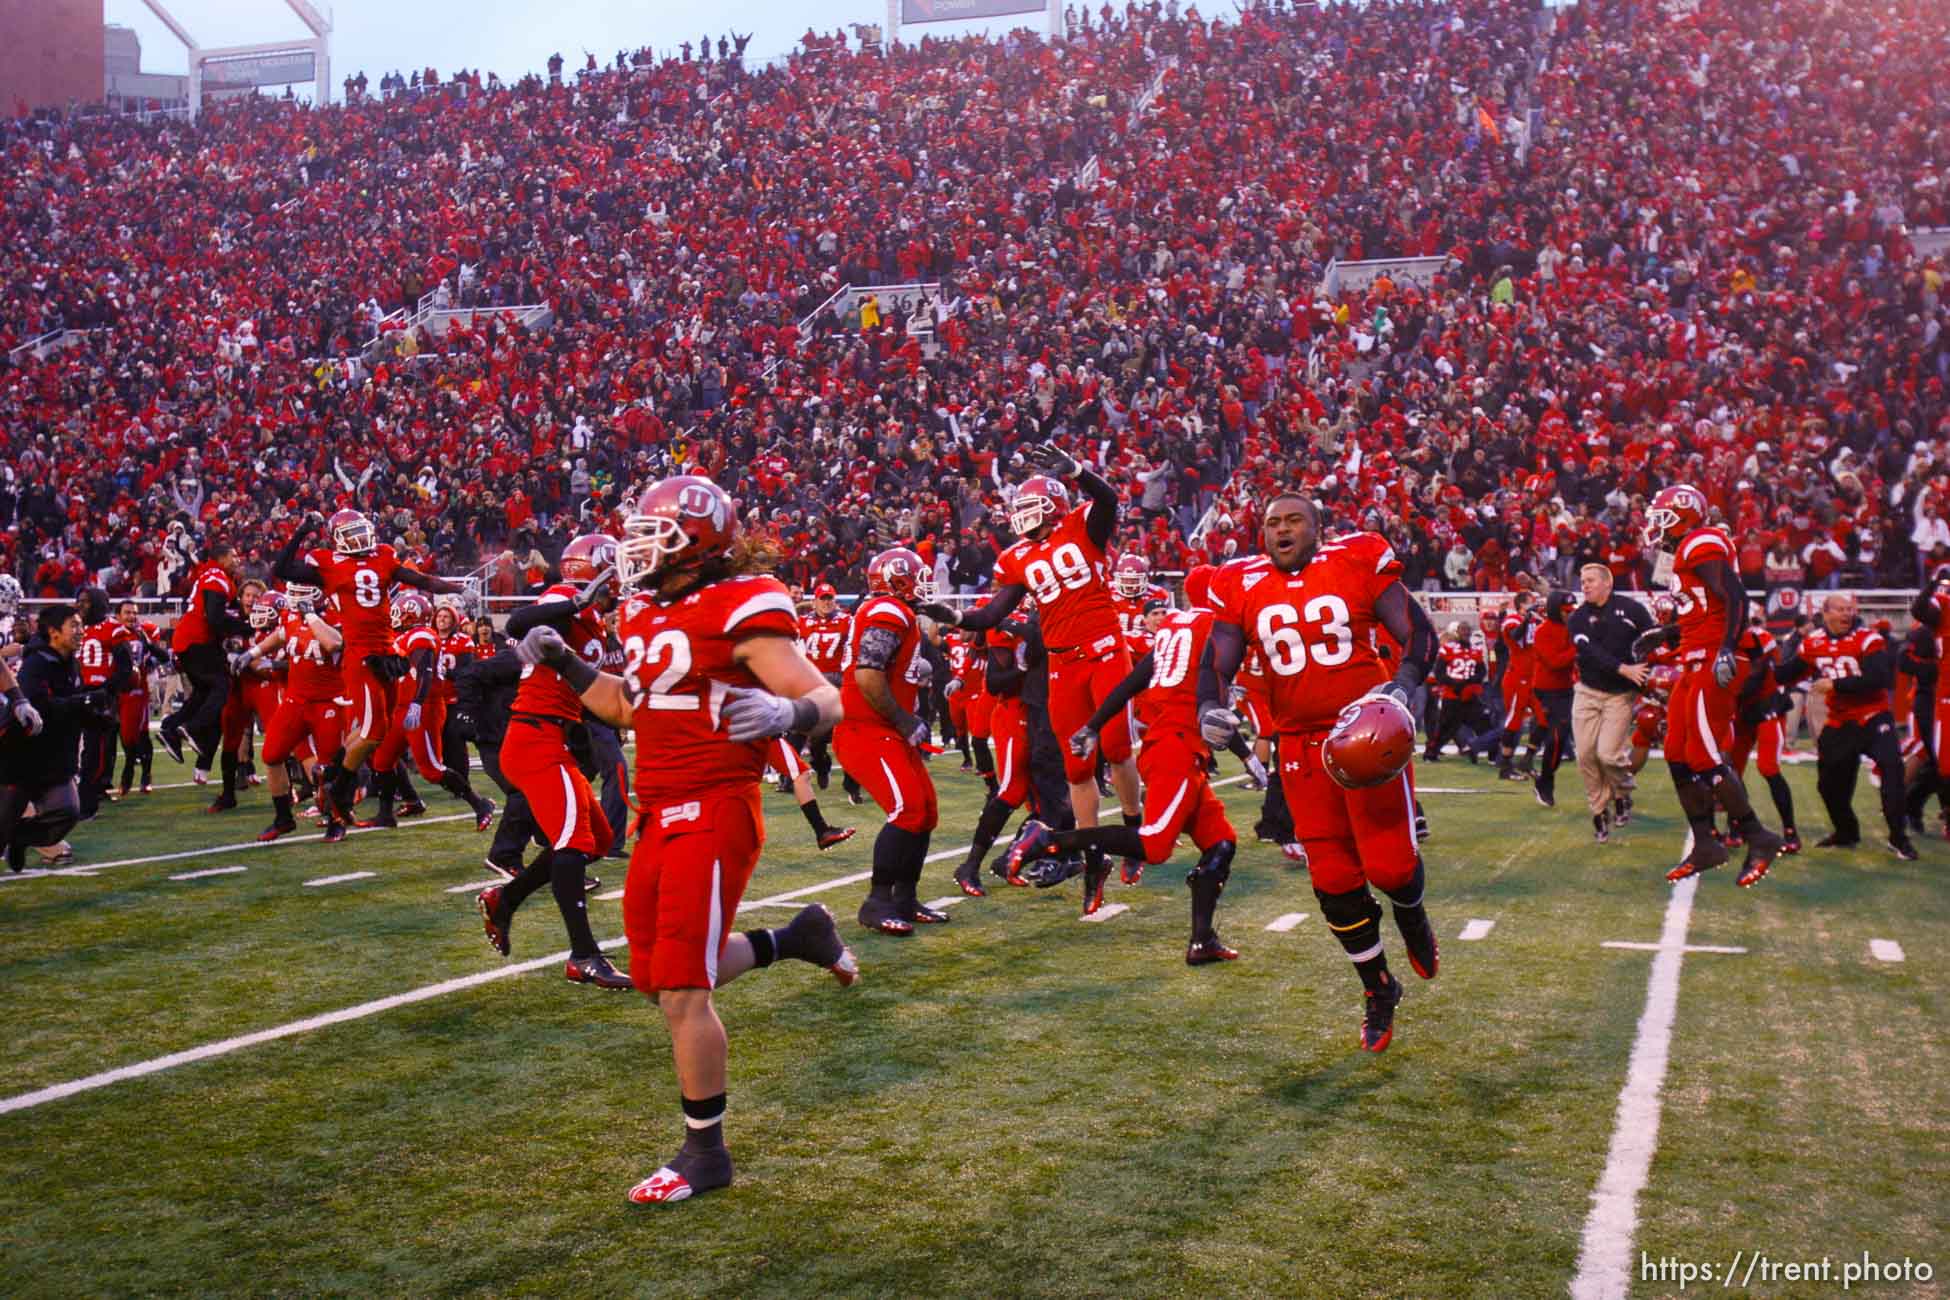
230 68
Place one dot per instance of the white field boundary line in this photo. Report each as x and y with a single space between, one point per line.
156 1065
90 868
339 879
1605 1256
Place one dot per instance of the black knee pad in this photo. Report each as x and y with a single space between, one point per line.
1214 864
1346 911
1410 894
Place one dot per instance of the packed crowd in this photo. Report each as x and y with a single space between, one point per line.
1671 246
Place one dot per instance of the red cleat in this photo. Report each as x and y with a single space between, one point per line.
1378 1021
1207 951
835 835
276 830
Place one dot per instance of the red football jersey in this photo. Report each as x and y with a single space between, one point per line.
1518 631
997 638
825 639
1169 705
1067 574
404 645
454 651
1942 602
958 655
542 690
1130 618
313 673
677 667
1465 670
1703 612
95 660
193 629
1316 627
881 611
363 588
1842 656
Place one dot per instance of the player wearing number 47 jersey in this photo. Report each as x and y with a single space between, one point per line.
1313 609
712 673
1060 560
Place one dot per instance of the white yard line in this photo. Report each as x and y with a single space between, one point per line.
1476 929
1885 950
213 871
89 868
1281 924
1660 947
476 886
1605 1257
340 880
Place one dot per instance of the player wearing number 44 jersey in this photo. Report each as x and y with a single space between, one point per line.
1313 610
308 712
1060 559
1711 607
712 673
357 575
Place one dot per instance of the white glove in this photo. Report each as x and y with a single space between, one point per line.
27 716
412 718
542 645
240 663
953 686
1217 726
752 714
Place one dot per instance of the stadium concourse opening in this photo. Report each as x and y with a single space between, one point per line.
1261 547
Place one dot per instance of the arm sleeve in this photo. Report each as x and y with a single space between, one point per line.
878 646
555 613
124 662
1876 675
291 567
216 613
1227 646
996 608
1101 520
1409 624
423 672
1589 650
1121 694
1004 675
1923 608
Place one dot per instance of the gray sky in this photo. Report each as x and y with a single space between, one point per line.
505 36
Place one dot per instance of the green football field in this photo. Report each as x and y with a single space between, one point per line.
1016 1104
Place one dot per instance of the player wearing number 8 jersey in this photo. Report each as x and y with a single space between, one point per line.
1711 606
712 672
1313 610
1060 559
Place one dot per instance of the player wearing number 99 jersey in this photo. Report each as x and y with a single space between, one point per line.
1312 609
712 671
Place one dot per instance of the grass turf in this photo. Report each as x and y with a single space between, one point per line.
1013 1104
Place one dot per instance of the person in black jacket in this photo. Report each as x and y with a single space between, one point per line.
38 768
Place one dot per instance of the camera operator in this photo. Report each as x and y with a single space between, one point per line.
38 765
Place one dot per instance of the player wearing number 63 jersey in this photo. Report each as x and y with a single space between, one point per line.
1313 609
1174 763
712 672
1060 559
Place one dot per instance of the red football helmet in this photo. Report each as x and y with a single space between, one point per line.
1649 717
1039 500
586 556
682 520
264 612
411 609
902 574
352 533
1662 679
302 593
1130 575
1370 744
1664 610
1674 512
1198 586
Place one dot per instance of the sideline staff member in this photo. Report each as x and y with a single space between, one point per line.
1603 629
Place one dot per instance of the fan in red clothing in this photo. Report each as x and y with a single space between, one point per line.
713 673
1313 608
822 635
1174 763
882 744
308 712
358 575
419 717
1711 607
537 761
1060 560
1853 666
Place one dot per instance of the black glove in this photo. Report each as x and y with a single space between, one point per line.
1051 460
1653 639
942 613
1083 742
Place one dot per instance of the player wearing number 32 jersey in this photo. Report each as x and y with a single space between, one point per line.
1312 609
712 674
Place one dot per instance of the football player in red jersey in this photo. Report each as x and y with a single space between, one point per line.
137 747
537 762
1459 675
456 647
1313 608
1133 593
713 672
308 710
358 574
997 673
1517 629
1060 560
882 743
254 693
1173 763
1711 607
1757 727
419 719
102 663
197 643
823 634
1853 666
1931 609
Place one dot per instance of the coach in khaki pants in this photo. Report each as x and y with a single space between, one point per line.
1603 629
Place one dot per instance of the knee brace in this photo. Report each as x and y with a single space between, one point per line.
1355 919
1215 864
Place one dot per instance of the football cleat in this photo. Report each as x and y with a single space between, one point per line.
1033 841
1421 827
590 884
509 870
276 830
1545 797
1763 846
814 936
1204 952
1901 846
1051 872
925 915
667 1186
171 739
1094 879
1378 1020
835 835
412 808
881 914
483 814
1835 840
222 803
1704 854
595 969
494 921
1296 853
383 822
199 776
968 877
1790 840
1131 870
334 832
